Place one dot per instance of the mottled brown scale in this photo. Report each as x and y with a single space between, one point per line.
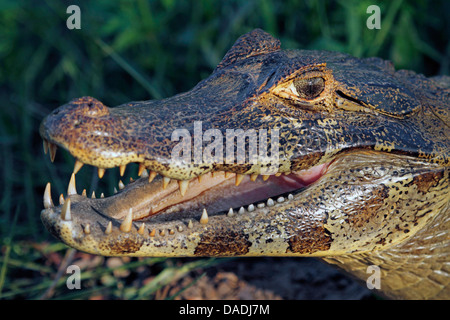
381 138
369 209
314 240
224 243
427 181
124 245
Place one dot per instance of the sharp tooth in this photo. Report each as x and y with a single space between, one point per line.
166 181
84 193
227 174
183 185
162 233
152 176
280 199
230 212
102 195
200 178
253 177
121 185
122 169
251 208
65 211
142 228
108 229
77 166
101 172
204 217
144 174
270 202
127 222
152 233
171 232
71 189
190 224
115 190
239 178
131 179
61 199
48 202
141 169
93 195
265 177
277 174
241 210
261 205
52 148
45 144
87 229
290 196
180 228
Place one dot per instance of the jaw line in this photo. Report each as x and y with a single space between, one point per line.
216 193
152 203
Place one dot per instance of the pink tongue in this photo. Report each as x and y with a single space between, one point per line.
226 195
214 193
302 178
250 192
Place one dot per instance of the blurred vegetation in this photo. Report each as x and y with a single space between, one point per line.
139 50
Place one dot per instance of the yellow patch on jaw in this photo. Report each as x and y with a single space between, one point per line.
385 146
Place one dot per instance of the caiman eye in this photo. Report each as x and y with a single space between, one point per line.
309 89
302 90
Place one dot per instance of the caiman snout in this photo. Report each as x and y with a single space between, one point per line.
78 109
73 115
88 130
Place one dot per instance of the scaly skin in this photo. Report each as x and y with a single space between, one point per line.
374 141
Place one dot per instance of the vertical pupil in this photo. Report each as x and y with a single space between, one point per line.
312 87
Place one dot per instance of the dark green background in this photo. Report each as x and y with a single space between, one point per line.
139 50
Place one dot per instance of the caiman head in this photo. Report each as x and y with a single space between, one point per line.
277 152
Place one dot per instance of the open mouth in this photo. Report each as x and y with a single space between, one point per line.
157 198
309 212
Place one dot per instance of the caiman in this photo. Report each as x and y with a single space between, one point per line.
276 153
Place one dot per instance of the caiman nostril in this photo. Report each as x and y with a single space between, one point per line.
90 107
